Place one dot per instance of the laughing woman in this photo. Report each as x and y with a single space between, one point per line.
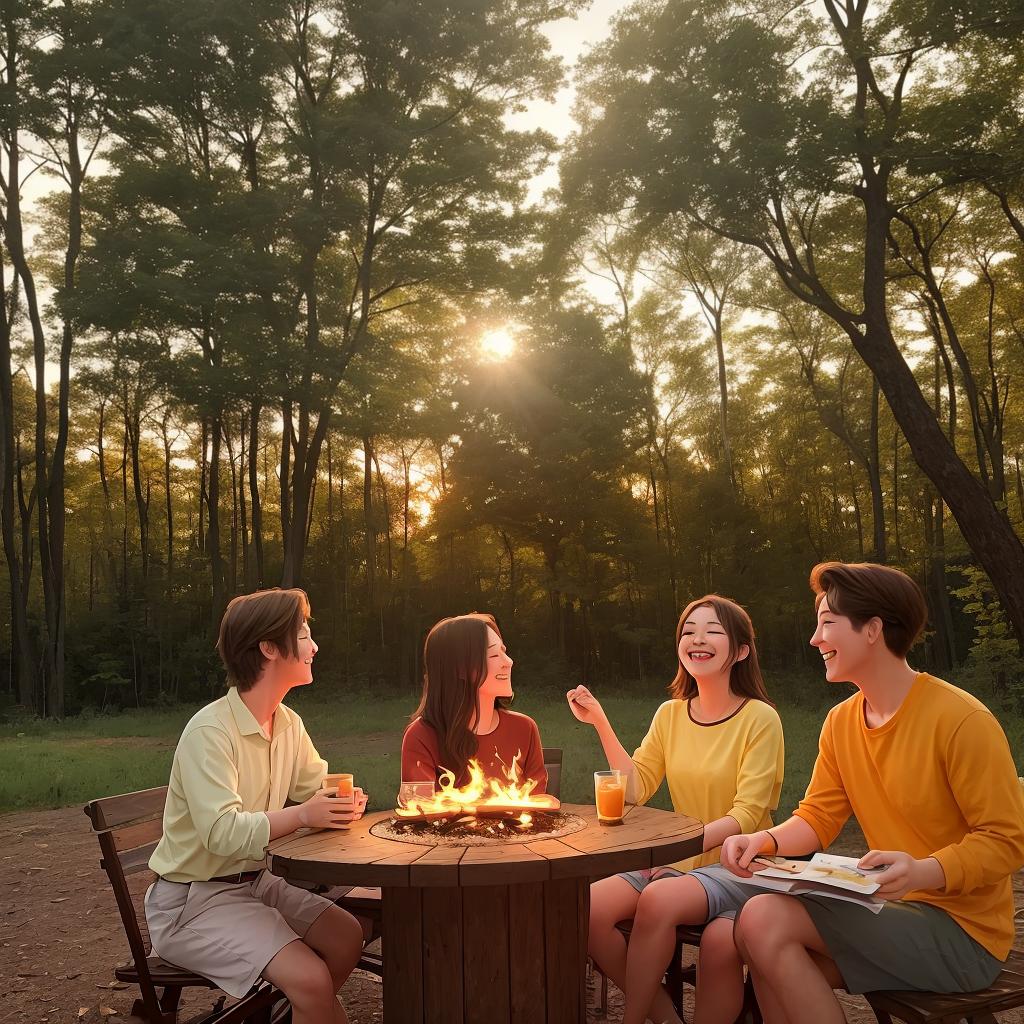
463 713
718 741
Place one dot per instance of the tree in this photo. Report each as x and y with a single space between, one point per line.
776 157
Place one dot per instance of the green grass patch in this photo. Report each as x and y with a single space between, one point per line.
45 764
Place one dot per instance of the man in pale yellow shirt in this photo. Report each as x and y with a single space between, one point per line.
928 773
213 909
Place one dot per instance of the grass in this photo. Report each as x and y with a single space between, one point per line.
46 765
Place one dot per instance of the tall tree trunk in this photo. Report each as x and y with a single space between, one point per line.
370 539
255 500
984 527
213 531
18 570
132 424
168 501
875 480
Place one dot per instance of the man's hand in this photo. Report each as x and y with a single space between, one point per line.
585 706
739 851
325 810
902 874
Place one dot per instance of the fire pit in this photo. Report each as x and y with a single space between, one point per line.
492 932
473 830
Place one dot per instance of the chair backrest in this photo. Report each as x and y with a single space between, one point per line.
553 763
128 828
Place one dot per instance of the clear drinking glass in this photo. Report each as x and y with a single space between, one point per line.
411 792
610 796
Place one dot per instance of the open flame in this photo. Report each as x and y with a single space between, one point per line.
481 795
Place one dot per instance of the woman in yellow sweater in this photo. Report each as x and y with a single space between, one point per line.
718 741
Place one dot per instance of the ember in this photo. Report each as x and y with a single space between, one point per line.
470 830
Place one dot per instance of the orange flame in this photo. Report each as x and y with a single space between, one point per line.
480 793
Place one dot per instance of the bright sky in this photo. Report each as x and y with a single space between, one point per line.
570 38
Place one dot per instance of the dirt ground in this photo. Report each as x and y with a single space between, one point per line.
61 937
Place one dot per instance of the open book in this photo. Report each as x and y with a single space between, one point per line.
823 875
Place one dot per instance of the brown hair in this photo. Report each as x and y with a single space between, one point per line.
274 615
744 676
454 666
861 591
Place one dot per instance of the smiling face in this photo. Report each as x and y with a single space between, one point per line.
296 670
704 648
498 681
844 648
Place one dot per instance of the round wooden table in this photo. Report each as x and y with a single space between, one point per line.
494 934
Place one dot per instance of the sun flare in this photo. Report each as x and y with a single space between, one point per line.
498 344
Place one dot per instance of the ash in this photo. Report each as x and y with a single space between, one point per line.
473 831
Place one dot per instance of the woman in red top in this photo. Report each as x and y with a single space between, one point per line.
467 682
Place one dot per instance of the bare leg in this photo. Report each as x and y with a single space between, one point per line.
792 967
306 980
337 937
719 975
613 900
662 906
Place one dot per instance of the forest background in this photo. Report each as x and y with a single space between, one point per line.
291 296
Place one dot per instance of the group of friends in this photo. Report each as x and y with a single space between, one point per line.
923 766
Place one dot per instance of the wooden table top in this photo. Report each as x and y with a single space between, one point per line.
648 837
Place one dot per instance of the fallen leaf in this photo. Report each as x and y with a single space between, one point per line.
107 1011
61 899
113 984
83 1010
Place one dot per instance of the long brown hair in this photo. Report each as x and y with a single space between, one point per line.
744 676
454 666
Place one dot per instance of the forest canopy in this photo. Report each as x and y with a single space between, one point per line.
281 306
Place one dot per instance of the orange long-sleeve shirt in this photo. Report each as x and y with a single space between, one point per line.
936 780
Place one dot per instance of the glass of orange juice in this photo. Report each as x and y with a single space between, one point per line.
610 796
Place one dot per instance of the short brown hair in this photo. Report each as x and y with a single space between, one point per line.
744 676
861 591
274 615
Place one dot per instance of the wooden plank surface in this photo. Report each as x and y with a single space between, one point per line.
439 865
442 955
647 837
402 949
485 956
528 978
502 865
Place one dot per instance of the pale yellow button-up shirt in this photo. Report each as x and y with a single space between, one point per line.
226 775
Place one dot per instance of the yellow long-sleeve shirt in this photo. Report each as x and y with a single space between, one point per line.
732 767
936 780
225 776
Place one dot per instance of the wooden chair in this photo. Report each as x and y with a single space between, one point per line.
128 828
1006 993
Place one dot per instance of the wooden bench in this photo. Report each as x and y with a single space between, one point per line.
1007 993
128 828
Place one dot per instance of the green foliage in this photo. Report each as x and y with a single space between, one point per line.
995 663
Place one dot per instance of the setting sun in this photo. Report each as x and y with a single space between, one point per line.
498 344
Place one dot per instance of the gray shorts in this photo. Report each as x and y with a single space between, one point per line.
907 945
228 932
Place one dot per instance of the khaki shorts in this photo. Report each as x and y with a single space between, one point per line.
227 932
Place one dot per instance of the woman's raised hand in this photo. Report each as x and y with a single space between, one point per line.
585 706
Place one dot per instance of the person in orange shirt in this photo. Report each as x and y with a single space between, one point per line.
463 713
928 773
